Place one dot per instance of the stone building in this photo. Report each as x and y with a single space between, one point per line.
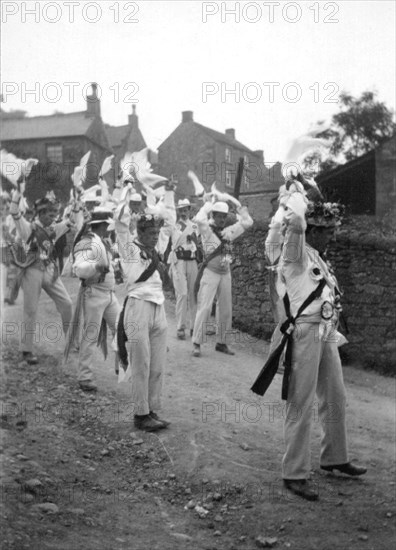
214 157
58 141
366 185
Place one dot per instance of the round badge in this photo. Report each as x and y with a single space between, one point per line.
327 310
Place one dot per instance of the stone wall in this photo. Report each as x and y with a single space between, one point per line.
365 267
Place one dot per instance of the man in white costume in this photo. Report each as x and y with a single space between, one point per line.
96 302
142 328
40 270
184 268
298 237
214 278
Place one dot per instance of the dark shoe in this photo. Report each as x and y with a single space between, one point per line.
196 350
29 358
301 488
158 419
181 334
9 301
348 468
224 349
147 423
88 386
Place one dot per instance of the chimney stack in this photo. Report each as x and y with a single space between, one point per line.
187 116
230 132
133 119
93 102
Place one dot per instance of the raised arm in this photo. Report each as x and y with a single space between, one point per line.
294 250
235 230
23 227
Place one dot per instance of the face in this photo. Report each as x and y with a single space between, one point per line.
101 229
219 218
48 216
149 236
183 212
135 206
321 237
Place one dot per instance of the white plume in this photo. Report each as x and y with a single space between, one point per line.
106 166
14 168
105 196
137 165
225 197
302 146
198 187
78 175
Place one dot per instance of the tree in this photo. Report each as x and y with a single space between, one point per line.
360 126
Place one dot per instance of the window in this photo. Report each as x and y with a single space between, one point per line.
55 153
245 171
228 154
228 178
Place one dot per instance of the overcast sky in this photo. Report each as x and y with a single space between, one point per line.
184 55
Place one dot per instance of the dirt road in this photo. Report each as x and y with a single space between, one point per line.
76 475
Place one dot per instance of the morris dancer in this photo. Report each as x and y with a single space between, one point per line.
40 271
142 329
214 278
97 302
184 269
298 237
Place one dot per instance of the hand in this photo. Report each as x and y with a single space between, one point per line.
170 186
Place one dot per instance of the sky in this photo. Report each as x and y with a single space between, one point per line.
268 69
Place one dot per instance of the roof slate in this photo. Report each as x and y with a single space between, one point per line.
59 125
223 138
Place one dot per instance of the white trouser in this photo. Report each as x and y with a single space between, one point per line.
316 368
35 279
213 284
98 304
146 327
184 273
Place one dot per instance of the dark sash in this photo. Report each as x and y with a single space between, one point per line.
270 368
121 334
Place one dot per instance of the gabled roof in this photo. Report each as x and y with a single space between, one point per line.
129 136
58 125
116 134
223 138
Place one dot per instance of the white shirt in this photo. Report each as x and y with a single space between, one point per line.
300 267
133 266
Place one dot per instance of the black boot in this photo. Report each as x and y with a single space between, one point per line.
348 468
301 488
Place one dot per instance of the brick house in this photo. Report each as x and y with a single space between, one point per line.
213 156
58 141
367 184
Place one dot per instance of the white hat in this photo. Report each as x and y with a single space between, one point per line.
90 196
101 214
221 207
135 197
183 203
